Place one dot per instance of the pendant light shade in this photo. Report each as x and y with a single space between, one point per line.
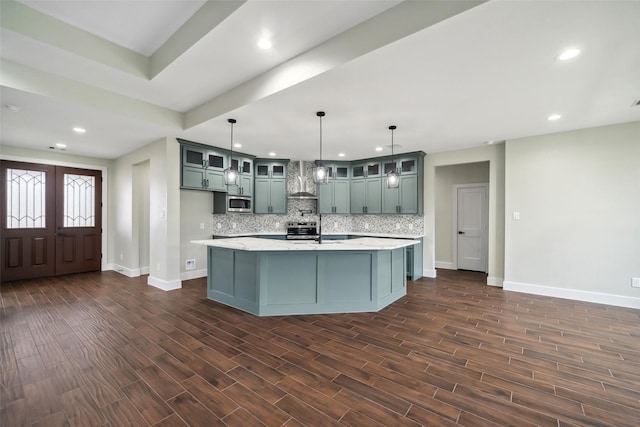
320 172
231 176
393 178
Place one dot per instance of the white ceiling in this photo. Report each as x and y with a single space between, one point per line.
448 81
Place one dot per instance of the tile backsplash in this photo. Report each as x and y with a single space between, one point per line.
296 211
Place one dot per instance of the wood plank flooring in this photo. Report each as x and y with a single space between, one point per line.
101 349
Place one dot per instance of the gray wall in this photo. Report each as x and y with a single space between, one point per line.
578 195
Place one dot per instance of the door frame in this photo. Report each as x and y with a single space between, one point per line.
454 231
105 195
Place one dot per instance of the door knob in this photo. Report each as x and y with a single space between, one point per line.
460 232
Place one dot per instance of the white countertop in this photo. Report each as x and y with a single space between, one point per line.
257 244
326 233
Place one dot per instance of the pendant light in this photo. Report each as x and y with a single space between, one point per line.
320 172
393 178
230 174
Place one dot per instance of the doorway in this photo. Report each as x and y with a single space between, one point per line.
471 212
51 220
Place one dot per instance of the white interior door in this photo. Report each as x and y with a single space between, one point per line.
472 225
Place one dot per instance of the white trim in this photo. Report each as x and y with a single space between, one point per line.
495 281
427 272
193 274
107 267
485 236
163 284
105 193
574 294
145 270
129 272
445 265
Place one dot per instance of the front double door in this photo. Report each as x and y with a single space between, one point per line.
51 220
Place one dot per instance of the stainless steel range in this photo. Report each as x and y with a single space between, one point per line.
302 230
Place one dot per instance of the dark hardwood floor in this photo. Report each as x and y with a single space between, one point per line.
105 350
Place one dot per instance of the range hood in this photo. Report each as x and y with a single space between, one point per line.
302 194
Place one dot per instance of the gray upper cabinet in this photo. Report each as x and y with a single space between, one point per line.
408 197
333 197
270 195
366 187
244 166
202 168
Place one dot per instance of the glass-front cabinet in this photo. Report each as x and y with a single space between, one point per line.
270 195
333 197
202 168
366 186
244 166
407 197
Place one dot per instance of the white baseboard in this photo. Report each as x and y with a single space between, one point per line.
574 294
495 281
163 284
129 272
431 273
446 265
145 270
193 274
107 267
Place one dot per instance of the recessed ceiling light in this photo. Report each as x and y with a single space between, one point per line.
264 43
237 145
61 145
272 154
491 142
554 117
79 130
13 108
340 154
568 54
378 148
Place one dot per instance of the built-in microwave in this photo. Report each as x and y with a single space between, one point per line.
238 204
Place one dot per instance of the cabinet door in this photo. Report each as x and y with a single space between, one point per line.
409 194
325 198
261 201
246 182
358 194
278 196
216 161
390 199
279 170
193 156
193 177
374 195
341 197
215 181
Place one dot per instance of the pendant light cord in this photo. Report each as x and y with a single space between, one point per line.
232 121
320 114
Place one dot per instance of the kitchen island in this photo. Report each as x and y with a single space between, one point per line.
269 277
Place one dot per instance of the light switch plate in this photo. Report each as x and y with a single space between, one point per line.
635 282
516 216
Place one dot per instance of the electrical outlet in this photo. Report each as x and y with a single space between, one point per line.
397 226
202 226
121 257
410 226
635 282
277 225
335 224
233 225
190 264
366 225
219 226
516 216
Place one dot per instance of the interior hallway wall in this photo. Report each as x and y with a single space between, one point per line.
494 154
446 178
